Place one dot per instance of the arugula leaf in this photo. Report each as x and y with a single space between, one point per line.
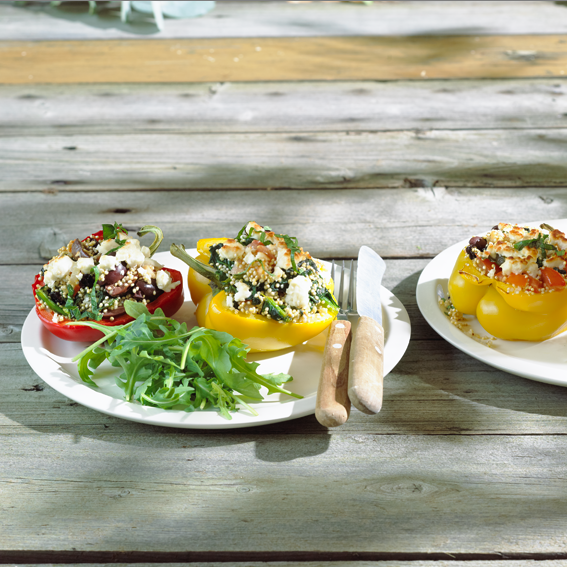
113 231
135 309
164 364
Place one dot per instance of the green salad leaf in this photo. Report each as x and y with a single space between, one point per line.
166 365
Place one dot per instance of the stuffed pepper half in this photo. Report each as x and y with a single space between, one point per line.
514 280
260 287
91 279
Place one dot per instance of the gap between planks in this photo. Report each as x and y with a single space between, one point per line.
233 557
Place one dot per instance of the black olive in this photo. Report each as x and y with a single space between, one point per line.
478 242
78 250
116 290
470 252
57 298
114 312
115 275
87 280
495 227
146 290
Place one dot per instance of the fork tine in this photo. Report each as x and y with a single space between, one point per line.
350 300
333 271
341 297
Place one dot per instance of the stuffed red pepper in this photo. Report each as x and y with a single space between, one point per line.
90 279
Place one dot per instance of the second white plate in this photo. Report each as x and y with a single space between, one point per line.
543 361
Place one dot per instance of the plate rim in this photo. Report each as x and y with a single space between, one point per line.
397 341
437 272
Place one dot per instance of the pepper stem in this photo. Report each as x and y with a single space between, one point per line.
203 269
158 236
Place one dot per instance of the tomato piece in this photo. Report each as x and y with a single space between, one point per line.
523 281
552 279
487 265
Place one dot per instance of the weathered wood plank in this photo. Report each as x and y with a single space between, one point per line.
466 494
434 390
282 59
328 223
43 110
276 19
347 160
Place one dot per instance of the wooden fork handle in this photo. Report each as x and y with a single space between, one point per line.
333 406
366 377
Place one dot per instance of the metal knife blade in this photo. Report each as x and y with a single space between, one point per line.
366 373
369 273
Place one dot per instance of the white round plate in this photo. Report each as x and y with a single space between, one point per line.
540 361
50 358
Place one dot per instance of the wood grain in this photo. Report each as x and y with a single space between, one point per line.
378 218
425 158
283 59
306 107
282 19
220 482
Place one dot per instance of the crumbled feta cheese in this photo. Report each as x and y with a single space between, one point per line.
554 262
164 282
57 269
228 301
106 246
242 292
48 279
249 258
151 263
147 273
278 273
60 266
231 250
558 239
284 258
520 266
131 254
107 263
85 265
146 251
298 292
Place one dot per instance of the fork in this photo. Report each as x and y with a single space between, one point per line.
332 407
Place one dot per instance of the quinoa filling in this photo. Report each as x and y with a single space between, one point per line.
522 256
269 274
91 279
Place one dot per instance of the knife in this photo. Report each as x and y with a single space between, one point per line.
366 375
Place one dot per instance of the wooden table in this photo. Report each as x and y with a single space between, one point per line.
406 126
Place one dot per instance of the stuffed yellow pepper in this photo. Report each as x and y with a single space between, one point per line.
514 280
260 287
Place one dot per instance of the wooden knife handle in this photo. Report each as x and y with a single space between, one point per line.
366 377
333 406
